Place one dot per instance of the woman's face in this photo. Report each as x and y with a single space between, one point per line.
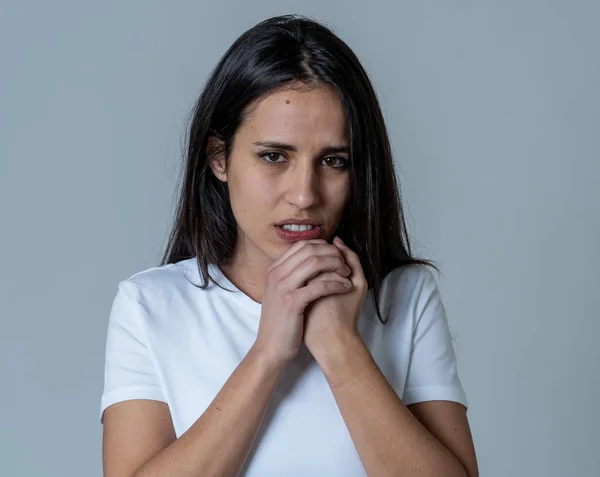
289 162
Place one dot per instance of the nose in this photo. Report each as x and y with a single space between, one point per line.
302 189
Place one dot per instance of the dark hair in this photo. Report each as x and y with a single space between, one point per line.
280 52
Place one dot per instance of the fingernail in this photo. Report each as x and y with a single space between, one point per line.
347 285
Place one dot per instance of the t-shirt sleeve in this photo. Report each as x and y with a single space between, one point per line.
129 372
432 372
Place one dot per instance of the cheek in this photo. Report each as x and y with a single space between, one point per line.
250 193
339 194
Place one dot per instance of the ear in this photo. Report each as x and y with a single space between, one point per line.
215 155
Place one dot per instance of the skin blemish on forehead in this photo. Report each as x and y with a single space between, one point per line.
287 101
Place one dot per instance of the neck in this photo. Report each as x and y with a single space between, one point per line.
248 274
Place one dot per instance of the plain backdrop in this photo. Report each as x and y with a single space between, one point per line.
494 113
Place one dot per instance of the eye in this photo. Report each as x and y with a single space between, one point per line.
266 156
331 162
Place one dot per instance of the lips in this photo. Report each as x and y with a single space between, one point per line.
299 222
292 236
297 227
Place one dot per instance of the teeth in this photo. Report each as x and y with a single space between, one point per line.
297 228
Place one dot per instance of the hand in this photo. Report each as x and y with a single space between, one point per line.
308 270
332 319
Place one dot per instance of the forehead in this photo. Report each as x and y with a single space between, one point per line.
295 115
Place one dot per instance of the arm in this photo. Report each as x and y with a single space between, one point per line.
139 440
390 440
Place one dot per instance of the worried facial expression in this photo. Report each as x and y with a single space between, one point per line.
289 164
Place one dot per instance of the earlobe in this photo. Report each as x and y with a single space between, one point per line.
216 158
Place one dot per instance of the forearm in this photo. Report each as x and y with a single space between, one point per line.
218 443
388 437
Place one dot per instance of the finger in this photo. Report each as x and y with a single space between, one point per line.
330 277
318 289
312 266
351 259
293 249
305 252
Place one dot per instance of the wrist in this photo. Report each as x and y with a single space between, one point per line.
266 359
338 361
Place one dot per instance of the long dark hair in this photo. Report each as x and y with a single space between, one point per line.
280 52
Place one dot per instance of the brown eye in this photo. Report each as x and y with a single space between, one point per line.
335 162
267 156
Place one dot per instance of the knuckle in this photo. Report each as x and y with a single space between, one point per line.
317 285
314 261
311 247
289 300
272 276
327 285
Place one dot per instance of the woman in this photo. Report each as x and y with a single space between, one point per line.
263 345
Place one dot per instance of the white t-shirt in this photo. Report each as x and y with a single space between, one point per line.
173 342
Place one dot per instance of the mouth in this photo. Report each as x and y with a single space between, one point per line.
294 232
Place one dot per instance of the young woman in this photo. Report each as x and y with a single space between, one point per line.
289 331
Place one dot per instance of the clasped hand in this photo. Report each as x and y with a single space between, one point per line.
329 320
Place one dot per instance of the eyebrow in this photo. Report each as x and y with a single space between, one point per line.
289 147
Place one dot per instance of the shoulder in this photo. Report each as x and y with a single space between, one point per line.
150 297
411 282
162 282
403 296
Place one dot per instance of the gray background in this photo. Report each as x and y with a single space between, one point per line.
494 112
